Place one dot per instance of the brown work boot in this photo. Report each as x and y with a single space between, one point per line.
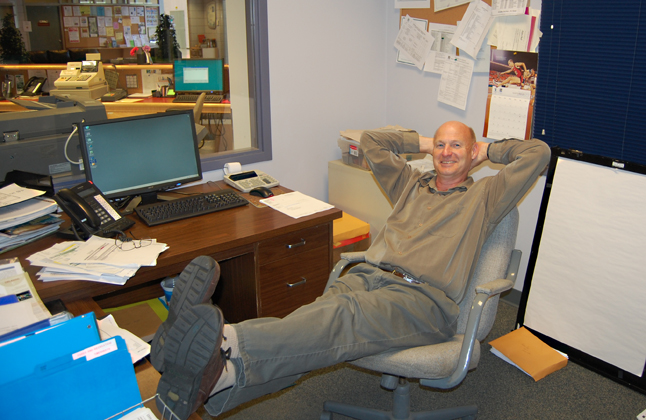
193 360
195 285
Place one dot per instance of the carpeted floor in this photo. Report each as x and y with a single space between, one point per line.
500 391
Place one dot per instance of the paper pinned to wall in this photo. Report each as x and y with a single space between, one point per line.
456 80
415 41
473 28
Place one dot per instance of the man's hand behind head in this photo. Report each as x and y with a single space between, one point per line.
482 153
426 144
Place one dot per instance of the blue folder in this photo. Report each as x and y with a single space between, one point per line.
19 357
82 388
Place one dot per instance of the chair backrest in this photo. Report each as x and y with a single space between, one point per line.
197 110
492 265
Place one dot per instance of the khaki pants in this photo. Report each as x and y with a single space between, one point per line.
365 312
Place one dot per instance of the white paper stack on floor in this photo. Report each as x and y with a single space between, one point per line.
98 259
24 216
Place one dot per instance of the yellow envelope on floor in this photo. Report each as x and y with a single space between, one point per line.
527 352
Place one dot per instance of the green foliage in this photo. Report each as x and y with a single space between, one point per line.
11 44
167 42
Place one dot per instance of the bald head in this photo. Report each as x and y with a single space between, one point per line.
455 130
453 152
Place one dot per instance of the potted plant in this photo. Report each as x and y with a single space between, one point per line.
168 48
11 43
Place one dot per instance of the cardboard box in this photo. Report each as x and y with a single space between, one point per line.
350 235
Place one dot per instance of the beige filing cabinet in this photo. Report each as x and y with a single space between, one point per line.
356 192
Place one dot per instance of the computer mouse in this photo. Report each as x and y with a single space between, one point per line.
263 192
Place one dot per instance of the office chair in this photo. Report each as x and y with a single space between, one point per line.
200 130
442 365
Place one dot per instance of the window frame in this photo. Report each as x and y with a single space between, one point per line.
258 61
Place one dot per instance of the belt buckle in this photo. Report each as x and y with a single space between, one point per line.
406 277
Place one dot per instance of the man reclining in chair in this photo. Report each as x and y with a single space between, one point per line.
406 295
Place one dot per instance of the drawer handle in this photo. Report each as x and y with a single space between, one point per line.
298 283
292 246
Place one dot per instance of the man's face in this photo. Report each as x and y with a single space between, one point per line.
453 153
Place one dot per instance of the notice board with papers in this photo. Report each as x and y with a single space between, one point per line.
584 288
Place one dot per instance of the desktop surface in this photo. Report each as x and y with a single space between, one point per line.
249 242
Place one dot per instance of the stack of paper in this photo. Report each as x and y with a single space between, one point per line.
19 303
527 352
98 259
25 217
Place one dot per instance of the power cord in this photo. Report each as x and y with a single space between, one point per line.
67 142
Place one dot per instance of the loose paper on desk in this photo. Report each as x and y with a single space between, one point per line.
29 309
525 351
25 211
13 193
473 28
137 347
296 204
98 260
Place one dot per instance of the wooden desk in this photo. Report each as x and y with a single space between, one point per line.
145 106
261 253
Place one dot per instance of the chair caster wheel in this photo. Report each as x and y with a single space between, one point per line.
326 416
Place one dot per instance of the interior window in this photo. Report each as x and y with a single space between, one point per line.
239 33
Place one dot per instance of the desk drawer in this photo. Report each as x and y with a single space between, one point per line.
293 244
307 273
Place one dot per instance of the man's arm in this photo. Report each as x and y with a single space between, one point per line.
524 160
382 149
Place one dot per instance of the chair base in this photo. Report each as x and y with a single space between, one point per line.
401 409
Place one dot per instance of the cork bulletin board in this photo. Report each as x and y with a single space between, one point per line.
115 26
449 16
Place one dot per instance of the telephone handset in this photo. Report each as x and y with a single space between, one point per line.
91 212
34 86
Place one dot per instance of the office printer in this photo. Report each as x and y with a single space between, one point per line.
83 79
33 141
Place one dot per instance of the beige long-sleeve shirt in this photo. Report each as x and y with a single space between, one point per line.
437 236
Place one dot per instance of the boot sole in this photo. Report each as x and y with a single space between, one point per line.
196 284
193 360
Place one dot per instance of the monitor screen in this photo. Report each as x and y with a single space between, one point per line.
140 155
197 75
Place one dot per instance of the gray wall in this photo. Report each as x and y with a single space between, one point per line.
332 68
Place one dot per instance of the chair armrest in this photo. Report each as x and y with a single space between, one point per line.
484 292
354 257
346 258
495 287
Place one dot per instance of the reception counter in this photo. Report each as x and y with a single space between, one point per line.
128 108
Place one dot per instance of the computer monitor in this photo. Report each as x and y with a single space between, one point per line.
141 155
199 75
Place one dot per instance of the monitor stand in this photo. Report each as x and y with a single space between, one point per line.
149 198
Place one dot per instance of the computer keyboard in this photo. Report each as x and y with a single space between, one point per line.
194 205
190 98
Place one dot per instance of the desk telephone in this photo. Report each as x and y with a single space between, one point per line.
90 211
34 86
